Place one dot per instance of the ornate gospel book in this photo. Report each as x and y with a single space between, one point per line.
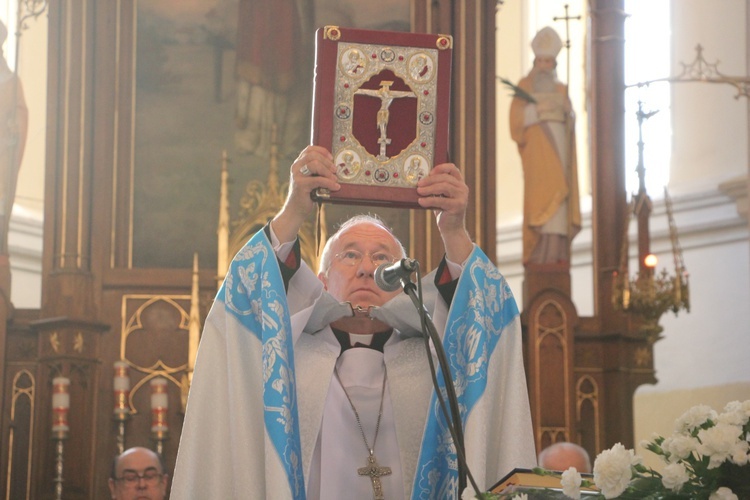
381 105
536 486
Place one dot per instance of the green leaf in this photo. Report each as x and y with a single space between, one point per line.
518 92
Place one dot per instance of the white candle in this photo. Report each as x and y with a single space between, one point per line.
121 387
159 405
60 404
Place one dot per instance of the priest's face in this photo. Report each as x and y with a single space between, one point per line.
357 252
545 63
138 475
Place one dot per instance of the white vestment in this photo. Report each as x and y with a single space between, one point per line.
226 453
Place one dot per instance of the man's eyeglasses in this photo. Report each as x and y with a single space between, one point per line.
132 478
353 257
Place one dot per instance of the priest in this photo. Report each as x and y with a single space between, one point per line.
319 386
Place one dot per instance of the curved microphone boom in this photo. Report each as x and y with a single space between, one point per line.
388 276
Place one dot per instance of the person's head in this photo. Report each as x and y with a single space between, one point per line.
562 456
543 74
352 254
545 64
546 45
138 473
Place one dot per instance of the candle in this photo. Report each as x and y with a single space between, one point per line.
60 404
159 405
122 389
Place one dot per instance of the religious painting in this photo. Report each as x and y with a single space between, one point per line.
215 76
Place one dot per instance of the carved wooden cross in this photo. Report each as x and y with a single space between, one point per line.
374 471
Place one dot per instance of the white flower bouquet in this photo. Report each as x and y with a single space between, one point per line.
706 458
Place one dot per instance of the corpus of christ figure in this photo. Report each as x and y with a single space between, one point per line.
386 96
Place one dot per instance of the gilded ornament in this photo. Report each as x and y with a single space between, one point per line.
332 33
78 342
444 42
54 340
642 357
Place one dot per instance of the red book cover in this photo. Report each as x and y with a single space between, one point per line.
381 106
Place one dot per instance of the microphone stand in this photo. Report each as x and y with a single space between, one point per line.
455 425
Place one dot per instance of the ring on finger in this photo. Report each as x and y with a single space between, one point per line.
305 171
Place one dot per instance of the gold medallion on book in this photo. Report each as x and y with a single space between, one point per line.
382 108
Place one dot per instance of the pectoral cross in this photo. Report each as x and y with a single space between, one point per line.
373 470
386 96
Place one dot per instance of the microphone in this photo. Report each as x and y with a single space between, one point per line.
388 276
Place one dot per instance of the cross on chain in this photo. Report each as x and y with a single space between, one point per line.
567 18
386 96
373 470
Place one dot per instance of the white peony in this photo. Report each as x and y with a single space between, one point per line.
674 476
693 418
736 406
720 443
723 494
613 470
571 483
733 415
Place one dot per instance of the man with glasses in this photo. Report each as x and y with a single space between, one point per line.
138 473
319 386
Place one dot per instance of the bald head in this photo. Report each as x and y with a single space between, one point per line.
138 473
562 456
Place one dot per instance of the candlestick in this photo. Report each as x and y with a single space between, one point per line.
59 468
159 407
121 386
60 428
60 406
121 411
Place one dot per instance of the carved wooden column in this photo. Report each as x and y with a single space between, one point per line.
622 359
608 151
472 25
68 329
68 285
